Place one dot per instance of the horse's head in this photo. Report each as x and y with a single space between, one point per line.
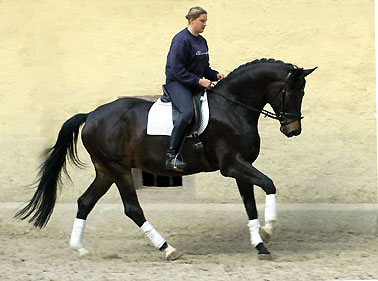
287 102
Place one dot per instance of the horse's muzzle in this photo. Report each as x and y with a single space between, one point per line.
292 129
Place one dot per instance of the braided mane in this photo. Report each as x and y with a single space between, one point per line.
257 61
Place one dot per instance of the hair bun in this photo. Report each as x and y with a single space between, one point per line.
195 12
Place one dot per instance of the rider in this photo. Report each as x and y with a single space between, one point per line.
187 72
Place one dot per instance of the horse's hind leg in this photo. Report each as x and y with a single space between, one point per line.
134 211
86 202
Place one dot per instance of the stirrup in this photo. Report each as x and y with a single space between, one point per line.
175 164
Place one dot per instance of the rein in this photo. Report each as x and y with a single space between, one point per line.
266 113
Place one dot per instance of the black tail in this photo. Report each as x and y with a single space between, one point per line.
43 201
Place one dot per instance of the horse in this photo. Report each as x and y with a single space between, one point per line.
114 134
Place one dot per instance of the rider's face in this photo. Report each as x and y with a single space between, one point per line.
198 25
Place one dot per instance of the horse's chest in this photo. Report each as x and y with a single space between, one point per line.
253 149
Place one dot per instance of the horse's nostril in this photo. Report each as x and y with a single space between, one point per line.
297 132
292 133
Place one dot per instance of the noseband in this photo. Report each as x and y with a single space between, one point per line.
281 116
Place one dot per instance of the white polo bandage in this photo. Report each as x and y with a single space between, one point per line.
77 234
254 230
270 208
153 235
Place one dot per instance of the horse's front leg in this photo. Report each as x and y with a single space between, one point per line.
246 176
270 217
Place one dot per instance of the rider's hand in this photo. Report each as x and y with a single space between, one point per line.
206 83
221 76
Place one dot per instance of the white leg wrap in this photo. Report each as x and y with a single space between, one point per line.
254 230
153 235
270 208
77 234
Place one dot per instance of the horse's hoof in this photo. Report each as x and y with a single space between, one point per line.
265 235
263 253
264 257
83 252
172 254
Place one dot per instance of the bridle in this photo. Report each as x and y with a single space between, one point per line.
281 116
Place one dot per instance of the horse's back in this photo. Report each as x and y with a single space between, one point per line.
122 105
110 123
119 109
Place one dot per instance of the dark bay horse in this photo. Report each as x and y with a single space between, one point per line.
115 137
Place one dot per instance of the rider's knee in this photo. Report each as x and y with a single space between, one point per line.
187 115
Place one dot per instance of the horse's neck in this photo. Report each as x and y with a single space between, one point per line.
247 92
237 111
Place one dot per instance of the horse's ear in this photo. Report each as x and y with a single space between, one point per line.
308 71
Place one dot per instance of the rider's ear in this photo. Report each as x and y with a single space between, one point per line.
308 71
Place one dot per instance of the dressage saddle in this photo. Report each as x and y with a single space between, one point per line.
196 121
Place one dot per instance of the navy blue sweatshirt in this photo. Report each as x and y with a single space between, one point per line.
188 60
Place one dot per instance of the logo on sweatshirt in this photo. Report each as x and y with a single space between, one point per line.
200 53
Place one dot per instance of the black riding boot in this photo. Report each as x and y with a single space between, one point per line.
173 162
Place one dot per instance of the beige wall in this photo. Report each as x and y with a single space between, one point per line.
59 58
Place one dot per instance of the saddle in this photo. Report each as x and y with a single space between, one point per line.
196 120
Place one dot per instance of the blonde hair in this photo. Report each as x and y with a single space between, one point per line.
194 13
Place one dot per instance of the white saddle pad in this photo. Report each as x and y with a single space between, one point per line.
160 118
